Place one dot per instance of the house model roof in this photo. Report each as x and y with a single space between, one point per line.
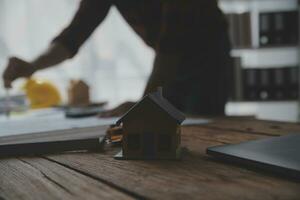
161 102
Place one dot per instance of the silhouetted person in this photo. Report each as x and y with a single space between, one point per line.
189 38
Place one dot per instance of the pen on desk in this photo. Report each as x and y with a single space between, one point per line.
7 102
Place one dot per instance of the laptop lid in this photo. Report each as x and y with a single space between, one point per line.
279 155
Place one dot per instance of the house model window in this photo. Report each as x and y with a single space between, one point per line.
151 129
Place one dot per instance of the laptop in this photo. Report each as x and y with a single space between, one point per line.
280 155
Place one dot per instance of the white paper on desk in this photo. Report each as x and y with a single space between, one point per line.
195 121
52 128
48 124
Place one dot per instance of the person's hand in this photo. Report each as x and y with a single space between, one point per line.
118 111
16 68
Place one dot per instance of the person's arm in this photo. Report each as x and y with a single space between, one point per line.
17 67
89 15
55 54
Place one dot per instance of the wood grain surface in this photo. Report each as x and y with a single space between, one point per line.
36 178
196 176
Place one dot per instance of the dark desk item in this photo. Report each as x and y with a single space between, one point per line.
79 112
278 155
50 147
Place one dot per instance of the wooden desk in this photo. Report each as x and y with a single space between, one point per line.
197 176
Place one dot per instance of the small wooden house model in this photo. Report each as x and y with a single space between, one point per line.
78 93
151 129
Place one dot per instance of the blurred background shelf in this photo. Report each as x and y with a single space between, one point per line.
265 41
268 57
269 110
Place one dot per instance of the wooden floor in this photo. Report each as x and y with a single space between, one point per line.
197 176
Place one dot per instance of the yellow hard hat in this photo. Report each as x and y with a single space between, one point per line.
41 93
